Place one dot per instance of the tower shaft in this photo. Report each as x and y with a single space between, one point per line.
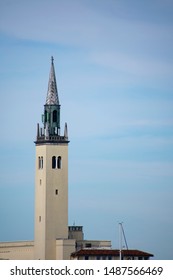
51 180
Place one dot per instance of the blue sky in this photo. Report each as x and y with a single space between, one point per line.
114 69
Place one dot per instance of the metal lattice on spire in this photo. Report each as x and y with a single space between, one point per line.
52 92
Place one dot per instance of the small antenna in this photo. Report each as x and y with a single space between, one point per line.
121 232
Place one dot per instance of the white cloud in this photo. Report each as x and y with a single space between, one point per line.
80 23
136 49
139 69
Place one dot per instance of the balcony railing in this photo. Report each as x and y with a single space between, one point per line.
51 138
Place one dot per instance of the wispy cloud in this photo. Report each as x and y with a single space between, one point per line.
139 69
80 24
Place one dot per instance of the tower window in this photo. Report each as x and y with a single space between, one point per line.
59 162
45 116
40 162
56 162
54 116
53 162
39 218
56 192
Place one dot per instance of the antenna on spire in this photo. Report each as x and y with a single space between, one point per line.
52 59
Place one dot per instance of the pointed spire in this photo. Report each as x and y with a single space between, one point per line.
65 131
52 92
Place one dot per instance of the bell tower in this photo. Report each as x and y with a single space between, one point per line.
51 179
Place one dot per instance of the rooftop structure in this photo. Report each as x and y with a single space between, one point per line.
109 254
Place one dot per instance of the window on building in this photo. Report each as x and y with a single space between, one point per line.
59 162
40 162
45 116
56 162
40 182
39 218
54 116
86 257
56 192
88 245
53 162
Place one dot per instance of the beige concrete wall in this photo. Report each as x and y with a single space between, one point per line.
75 234
51 209
93 243
64 248
22 250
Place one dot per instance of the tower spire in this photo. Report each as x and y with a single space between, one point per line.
52 92
50 132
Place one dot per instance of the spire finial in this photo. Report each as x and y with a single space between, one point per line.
52 59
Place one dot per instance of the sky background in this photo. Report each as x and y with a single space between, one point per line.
114 70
